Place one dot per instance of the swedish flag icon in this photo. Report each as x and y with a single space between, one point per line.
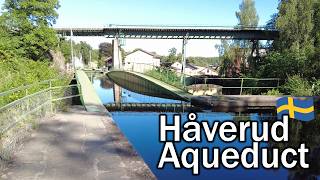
300 108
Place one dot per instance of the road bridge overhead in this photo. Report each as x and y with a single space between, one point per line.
184 33
173 32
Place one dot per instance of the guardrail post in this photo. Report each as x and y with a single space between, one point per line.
28 100
241 86
50 96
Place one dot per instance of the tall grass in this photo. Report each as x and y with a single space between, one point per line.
166 75
18 72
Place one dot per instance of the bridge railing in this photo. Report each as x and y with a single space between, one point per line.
235 85
21 91
20 116
163 26
198 82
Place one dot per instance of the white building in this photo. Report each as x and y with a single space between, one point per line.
190 70
78 62
141 61
193 70
207 71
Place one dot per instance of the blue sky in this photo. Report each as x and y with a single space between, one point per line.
97 13
181 12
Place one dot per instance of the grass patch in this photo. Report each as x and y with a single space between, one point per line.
167 76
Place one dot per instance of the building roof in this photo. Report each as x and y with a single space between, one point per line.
188 65
109 58
139 49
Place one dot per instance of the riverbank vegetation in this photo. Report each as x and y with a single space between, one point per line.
166 75
173 57
293 57
26 44
80 50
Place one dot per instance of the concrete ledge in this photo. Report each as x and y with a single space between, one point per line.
90 98
239 103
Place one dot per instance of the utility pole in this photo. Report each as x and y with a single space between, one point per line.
71 45
183 60
90 60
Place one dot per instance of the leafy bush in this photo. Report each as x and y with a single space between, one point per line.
316 88
297 86
280 65
273 92
166 76
18 71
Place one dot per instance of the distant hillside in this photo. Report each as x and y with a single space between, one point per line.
204 61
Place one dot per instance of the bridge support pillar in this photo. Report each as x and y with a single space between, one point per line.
183 60
255 48
116 54
117 91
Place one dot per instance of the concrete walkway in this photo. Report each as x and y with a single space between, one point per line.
77 145
90 98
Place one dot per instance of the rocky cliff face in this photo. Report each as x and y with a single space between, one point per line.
58 60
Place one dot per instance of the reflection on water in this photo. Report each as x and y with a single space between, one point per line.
110 92
142 130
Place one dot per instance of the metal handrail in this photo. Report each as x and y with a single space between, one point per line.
21 100
13 90
19 116
7 128
224 78
10 91
189 26
135 66
232 78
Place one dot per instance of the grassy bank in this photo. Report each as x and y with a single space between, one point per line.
18 72
167 76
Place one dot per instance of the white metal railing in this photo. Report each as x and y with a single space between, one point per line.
21 115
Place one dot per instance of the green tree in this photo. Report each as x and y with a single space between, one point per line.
247 17
295 24
172 51
314 63
173 56
95 55
247 14
30 21
65 48
316 22
235 55
229 59
9 44
85 50
296 51
280 65
105 51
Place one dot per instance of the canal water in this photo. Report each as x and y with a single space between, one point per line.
142 130
110 93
